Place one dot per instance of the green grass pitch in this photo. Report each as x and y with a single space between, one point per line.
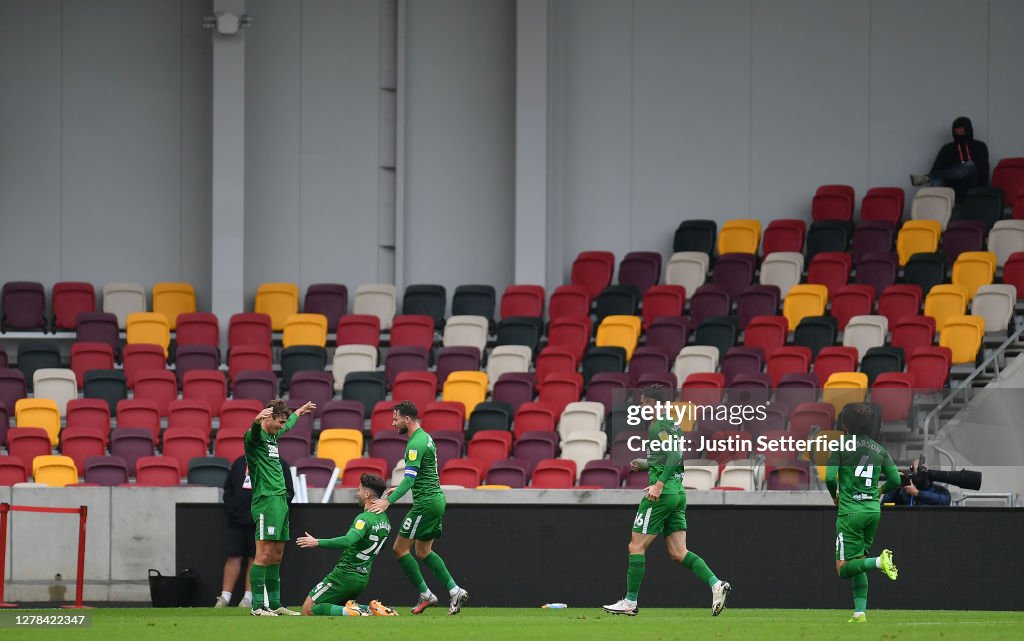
496 624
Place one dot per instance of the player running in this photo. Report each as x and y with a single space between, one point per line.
423 522
334 596
269 503
857 497
663 511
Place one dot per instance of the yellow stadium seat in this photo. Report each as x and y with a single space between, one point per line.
493 487
279 301
843 388
55 471
619 331
963 335
39 412
171 299
803 301
944 301
149 327
739 237
918 236
466 387
687 411
305 329
974 269
340 445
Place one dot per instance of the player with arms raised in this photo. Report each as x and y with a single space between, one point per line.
269 503
334 596
663 511
853 480
423 522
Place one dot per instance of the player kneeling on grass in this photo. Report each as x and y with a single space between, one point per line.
335 595
663 511
853 480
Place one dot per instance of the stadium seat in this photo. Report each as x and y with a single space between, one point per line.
442 416
739 237
197 328
932 204
962 236
140 358
881 360
389 446
602 474
616 300
426 300
843 388
358 329
720 332
59 385
944 301
418 387
259 385
250 329
520 330
641 269
130 444
352 358
593 271
605 387
981 204
663 300
82 443
492 415
123 299
834 359
852 300
510 358
456 359
669 334
695 236
106 471
304 329
893 392
569 301
827 236
327 299
69 300
790 475
318 471
701 474
865 332
553 359
278 301
740 473
898 301
466 387
646 361
883 204
831 269
157 471
194 416
173 299
157 385
757 300
808 417
788 360
468 331
709 300
687 270
558 390
554 474
703 388
378 300
97 327
404 359
369 388
925 271
784 235
237 415
33 355
294 445
490 446
533 417
734 272
767 332
803 301
722 454
24 306
357 467
514 388
783 270
449 445
475 300
1008 175
619 331
39 412
144 414
522 300
301 358
911 332
737 361
695 359
12 387
208 386
209 471
340 445
417 331
917 237
583 447
188 358
91 413
55 471
467 473
581 416
974 269
995 303
1005 239
833 203
312 386
149 327
963 335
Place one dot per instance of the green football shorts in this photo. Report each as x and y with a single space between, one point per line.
854 534
337 590
664 516
423 522
270 513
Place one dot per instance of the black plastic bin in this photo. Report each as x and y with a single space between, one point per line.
172 591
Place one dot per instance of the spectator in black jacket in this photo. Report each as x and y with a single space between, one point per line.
961 164
241 534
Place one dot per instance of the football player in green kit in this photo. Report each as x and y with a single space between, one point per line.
335 595
854 481
423 522
663 511
269 503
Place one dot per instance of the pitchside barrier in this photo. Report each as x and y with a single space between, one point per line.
523 555
82 512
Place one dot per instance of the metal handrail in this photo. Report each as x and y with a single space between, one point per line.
965 384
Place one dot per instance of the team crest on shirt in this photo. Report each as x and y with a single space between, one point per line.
360 524
272 451
412 455
663 435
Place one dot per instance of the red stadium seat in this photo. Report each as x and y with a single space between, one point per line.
194 416
833 202
490 446
236 415
1013 272
851 300
91 413
197 328
930 367
570 332
593 271
157 385
898 301
703 388
834 359
90 356
533 417
894 393
183 446
560 389
569 300
358 329
884 204
444 415
831 269
355 468
81 443
556 359
26 443
663 300
414 330
522 300
795 359
69 300
807 416
249 358
724 455
784 235
465 472
157 471
142 357
767 332
12 470
207 385
228 445
418 387
249 329
382 418
554 474
142 413
912 332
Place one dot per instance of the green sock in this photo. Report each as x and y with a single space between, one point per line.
436 565
854 567
700 569
273 579
860 593
330 610
634 575
412 570
257 577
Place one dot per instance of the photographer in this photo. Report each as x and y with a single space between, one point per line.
918 489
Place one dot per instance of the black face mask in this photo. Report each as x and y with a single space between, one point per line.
965 123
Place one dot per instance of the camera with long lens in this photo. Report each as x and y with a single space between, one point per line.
966 479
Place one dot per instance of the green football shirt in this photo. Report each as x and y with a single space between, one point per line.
421 466
667 465
264 461
364 540
858 476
